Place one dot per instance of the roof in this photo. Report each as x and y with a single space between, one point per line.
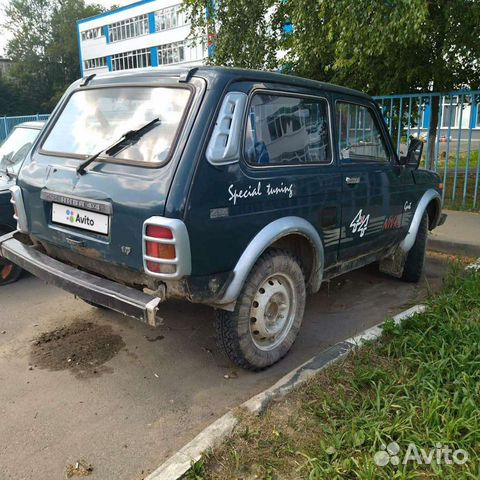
37 124
211 72
116 10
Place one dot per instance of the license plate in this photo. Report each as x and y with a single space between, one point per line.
78 218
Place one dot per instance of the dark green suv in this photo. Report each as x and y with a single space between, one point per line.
238 189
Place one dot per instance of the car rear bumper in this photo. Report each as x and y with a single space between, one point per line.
101 291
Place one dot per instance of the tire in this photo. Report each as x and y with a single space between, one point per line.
9 272
268 313
413 268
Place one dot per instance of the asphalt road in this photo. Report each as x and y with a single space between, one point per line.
77 383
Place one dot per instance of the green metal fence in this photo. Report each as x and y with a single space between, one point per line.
449 124
7 123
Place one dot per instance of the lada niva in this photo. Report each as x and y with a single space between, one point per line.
239 189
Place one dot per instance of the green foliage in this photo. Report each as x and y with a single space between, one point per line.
240 30
7 97
43 49
379 46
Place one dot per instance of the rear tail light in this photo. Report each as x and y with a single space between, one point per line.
156 248
166 248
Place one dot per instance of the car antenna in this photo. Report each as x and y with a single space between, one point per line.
86 80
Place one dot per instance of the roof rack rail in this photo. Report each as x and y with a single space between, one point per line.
185 77
86 80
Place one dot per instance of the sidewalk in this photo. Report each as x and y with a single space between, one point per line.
460 235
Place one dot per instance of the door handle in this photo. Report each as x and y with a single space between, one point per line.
352 180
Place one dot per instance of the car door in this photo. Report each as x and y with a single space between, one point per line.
288 140
365 158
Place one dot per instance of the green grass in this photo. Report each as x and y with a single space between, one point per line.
462 159
420 383
458 203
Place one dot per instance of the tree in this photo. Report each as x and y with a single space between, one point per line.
27 21
239 31
63 48
44 49
378 46
388 47
7 97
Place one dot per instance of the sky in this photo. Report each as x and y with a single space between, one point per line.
3 3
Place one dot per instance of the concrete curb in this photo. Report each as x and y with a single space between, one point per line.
453 248
179 463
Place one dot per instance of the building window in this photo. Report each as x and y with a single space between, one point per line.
450 112
171 17
171 53
92 33
134 59
95 63
132 27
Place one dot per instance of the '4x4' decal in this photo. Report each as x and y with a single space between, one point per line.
360 223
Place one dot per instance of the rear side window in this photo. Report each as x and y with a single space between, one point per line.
287 130
359 137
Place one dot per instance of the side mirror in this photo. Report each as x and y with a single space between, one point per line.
414 153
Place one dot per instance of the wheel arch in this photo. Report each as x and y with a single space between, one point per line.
431 202
293 233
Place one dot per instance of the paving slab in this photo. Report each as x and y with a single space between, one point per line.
459 235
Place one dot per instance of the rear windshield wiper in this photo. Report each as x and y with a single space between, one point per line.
126 140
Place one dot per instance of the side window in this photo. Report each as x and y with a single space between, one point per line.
284 130
359 137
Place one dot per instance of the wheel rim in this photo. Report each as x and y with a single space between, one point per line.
273 311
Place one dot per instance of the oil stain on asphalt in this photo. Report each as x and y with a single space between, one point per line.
81 347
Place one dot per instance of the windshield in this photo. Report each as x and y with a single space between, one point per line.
93 119
15 148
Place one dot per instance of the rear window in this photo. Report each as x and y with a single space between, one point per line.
94 119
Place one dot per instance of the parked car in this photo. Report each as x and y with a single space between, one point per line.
12 153
238 189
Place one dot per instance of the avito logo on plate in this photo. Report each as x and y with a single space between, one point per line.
78 218
70 216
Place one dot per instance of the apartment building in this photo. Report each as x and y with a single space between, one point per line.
148 33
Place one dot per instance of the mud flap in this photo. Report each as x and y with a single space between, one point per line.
394 264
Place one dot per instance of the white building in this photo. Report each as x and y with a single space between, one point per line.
148 33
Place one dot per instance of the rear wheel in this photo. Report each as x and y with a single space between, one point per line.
413 268
268 313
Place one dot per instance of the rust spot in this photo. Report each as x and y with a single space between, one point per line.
89 252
